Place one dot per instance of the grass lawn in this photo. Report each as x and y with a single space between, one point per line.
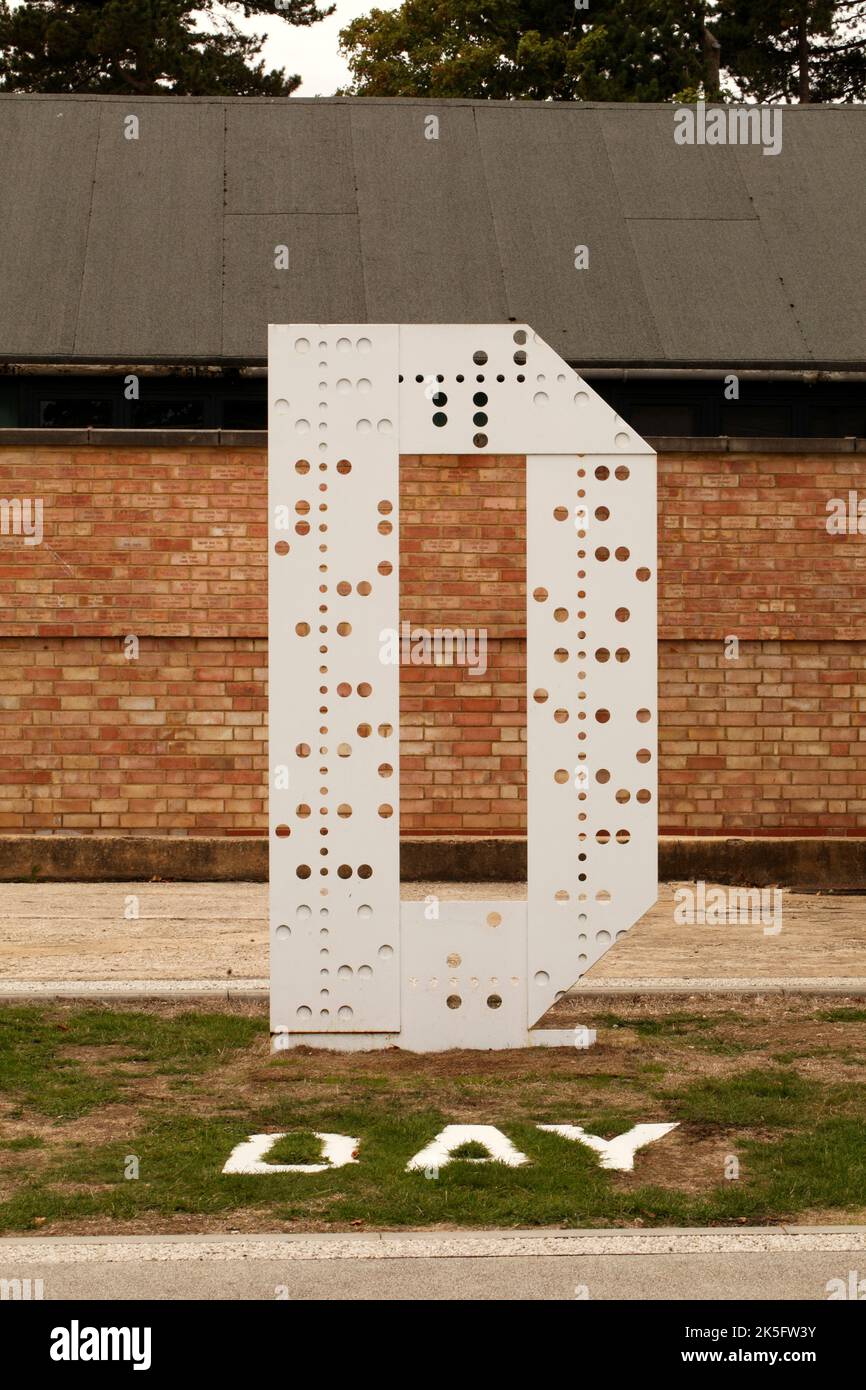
775 1083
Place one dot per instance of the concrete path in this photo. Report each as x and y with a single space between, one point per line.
782 1263
116 938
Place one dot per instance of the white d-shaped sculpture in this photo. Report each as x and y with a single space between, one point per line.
352 967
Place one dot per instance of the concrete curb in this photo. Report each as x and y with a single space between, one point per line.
384 1245
816 863
17 991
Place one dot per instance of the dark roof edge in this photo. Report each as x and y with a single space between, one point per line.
258 439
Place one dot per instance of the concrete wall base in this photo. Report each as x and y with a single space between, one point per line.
797 862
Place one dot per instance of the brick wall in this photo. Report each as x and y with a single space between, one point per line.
169 546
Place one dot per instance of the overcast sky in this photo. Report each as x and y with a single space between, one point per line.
311 52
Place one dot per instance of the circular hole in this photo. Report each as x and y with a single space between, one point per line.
602 472
385 769
621 472
344 587
454 1001
440 418
560 776
303 811
602 654
385 508
643 755
480 398
344 810
494 919
520 359
365 689
479 358
622 552
602 715
344 871
622 615
602 775
439 399
602 836
602 553
560 654
479 440
602 896
282 547
343 629
560 513
282 831
303 750
344 750
344 689
385 567
560 614
539 595
539 696
623 837
644 795
302 629
302 466
494 1001
623 795
643 716
303 871
344 467
561 716
385 730
364 871
601 513
642 574
302 528
386 811
622 654
561 896
365 730
364 588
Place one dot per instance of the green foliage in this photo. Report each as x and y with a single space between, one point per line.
142 47
530 49
608 51
765 42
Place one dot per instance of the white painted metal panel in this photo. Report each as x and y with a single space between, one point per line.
344 402
591 710
499 389
464 975
334 707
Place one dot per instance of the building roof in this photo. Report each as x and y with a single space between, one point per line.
162 249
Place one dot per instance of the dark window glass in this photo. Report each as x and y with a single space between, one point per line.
75 413
167 415
245 415
661 419
8 406
739 418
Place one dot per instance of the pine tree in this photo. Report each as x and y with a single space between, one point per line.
142 47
